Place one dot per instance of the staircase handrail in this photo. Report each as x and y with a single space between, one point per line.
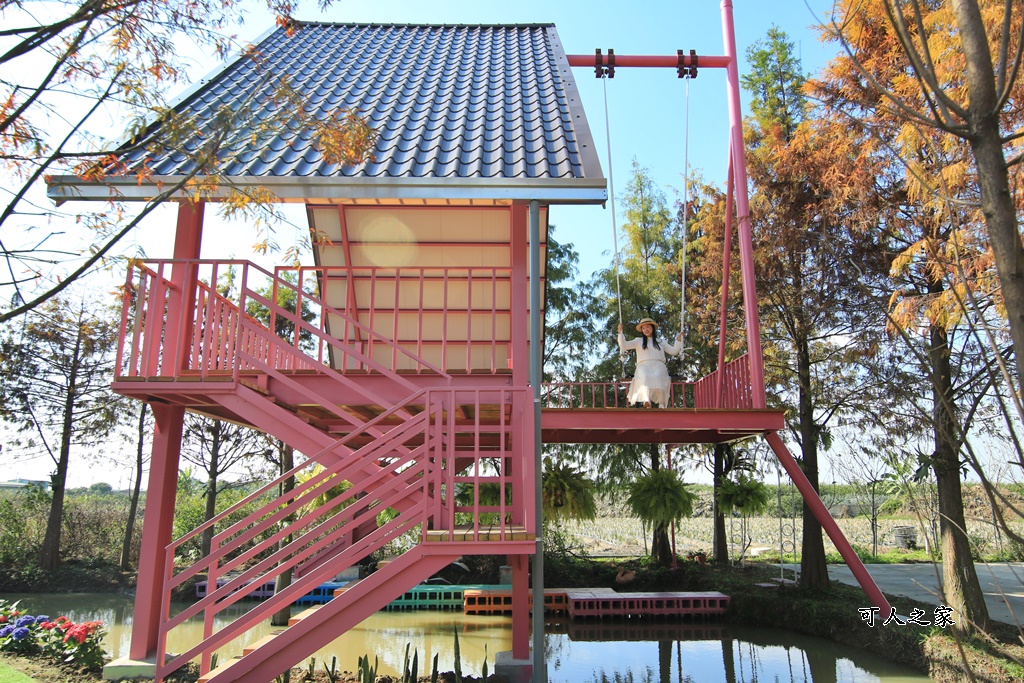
393 529
293 553
252 530
171 547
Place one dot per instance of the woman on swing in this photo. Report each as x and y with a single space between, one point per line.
651 383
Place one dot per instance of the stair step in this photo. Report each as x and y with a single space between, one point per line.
342 589
220 668
258 644
466 532
302 615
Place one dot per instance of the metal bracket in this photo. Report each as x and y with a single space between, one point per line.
682 69
600 68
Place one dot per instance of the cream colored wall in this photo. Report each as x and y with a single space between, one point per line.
455 314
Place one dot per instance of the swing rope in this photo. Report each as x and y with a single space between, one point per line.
686 218
611 186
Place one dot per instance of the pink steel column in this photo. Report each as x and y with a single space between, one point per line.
520 305
158 521
726 267
188 237
827 523
739 161
157 527
519 354
521 606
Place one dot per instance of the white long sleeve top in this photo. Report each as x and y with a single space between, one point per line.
650 353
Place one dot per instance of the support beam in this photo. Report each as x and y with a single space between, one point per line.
651 61
158 520
157 527
828 524
540 673
188 238
723 316
743 228
520 606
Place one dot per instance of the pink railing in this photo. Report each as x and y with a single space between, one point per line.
421 320
729 387
417 467
606 394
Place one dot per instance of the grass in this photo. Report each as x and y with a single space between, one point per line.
9 675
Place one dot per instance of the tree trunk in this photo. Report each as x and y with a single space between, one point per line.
813 568
665 661
211 488
50 555
133 505
720 544
284 579
661 545
993 178
961 588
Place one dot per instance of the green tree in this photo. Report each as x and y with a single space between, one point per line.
954 70
947 223
144 427
817 328
54 386
218 448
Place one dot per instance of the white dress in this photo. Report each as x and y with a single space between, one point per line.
650 381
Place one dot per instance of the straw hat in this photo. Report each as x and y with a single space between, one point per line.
646 321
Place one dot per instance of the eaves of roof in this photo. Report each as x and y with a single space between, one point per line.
314 189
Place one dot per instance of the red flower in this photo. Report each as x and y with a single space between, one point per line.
3 619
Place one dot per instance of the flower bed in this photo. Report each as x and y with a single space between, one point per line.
60 640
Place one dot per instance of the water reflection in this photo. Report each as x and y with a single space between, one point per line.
638 651
687 653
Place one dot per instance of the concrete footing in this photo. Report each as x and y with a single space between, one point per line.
125 667
514 670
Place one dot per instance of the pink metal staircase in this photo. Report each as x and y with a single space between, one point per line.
211 351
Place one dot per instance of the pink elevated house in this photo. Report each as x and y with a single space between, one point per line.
414 373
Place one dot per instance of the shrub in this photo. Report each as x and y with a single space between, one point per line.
60 640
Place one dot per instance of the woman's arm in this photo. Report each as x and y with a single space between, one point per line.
673 348
625 345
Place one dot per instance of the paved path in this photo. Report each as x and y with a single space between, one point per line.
1002 583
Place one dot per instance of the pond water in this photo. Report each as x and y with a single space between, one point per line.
631 651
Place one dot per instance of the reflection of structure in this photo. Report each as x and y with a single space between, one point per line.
642 630
400 360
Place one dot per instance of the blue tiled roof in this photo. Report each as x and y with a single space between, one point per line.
485 109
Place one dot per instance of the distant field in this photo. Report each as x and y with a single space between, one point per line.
624 536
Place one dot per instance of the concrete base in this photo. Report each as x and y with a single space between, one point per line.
514 670
130 668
